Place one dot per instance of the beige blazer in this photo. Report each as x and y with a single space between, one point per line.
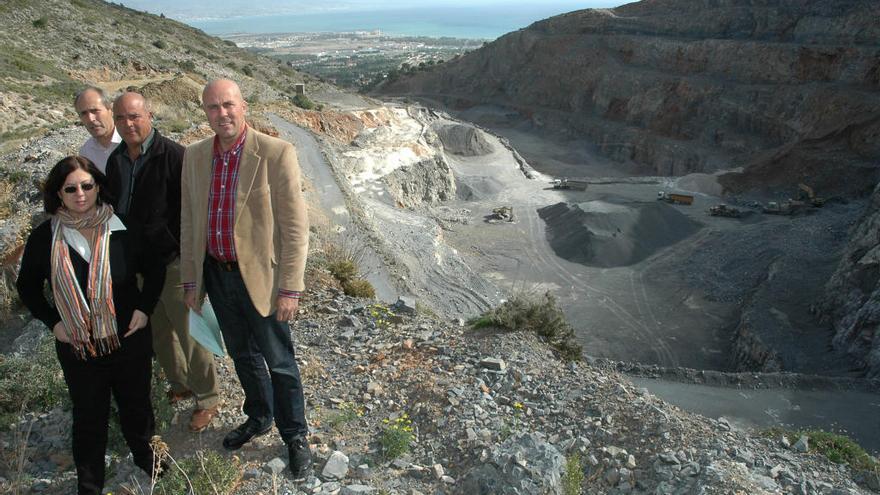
271 222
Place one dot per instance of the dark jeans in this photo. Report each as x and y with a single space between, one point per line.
255 342
126 373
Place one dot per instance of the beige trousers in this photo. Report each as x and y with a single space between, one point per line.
187 365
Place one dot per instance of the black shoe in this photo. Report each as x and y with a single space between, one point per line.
243 434
300 457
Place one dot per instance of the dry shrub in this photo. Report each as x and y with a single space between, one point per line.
344 270
343 257
359 288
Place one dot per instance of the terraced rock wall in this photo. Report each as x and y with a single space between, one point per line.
786 89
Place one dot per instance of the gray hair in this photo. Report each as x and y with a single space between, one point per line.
108 102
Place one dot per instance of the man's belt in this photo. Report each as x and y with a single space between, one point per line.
226 266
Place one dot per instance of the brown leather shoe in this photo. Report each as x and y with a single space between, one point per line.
175 397
201 418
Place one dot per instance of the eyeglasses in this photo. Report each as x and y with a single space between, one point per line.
85 186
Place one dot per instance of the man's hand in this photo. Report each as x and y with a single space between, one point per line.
60 333
139 320
190 299
286 308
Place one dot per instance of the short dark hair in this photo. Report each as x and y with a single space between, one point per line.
108 102
58 174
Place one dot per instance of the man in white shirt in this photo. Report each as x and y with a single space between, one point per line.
94 111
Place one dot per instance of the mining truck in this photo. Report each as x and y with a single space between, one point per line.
724 211
682 199
566 183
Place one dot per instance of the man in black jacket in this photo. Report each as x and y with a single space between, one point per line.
143 175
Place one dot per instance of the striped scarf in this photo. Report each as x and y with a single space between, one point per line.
90 323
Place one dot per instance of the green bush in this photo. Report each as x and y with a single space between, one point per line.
838 448
208 472
15 176
160 44
542 316
348 413
341 258
303 102
397 437
343 269
381 315
31 383
187 65
41 23
359 287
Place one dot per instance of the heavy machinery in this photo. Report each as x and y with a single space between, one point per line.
787 207
805 193
501 214
566 183
723 210
682 199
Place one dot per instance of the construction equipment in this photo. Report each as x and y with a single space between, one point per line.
501 214
682 199
805 193
566 183
723 210
787 207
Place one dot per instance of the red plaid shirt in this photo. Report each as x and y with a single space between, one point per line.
221 200
221 207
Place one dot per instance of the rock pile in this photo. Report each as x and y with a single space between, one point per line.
463 140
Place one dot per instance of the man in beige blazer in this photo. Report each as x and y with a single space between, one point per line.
244 239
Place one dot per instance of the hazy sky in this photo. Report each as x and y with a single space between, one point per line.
201 9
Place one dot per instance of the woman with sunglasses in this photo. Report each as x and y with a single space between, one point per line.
85 256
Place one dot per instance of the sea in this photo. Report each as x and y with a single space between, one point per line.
471 22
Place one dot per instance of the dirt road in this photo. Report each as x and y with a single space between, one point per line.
332 201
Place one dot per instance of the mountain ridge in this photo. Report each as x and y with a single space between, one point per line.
678 87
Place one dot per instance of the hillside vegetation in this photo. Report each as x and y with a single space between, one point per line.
53 48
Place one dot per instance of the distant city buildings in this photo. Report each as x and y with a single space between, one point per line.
357 59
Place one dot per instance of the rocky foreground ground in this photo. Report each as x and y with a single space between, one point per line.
489 412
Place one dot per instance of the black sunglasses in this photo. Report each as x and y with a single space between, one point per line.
85 186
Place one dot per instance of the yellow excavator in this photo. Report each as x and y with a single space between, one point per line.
806 194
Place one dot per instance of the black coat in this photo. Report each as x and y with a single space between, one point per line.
126 259
154 209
